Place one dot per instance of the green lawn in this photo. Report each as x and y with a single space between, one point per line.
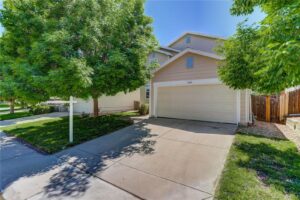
52 135
262 169
4 106
14 115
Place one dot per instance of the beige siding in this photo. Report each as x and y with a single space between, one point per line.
119 102
204 68
197 42
143 94
83 106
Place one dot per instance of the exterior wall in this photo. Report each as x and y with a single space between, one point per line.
197 42
243 107
151 100
160 57
83 106
143 95
204 68
119 102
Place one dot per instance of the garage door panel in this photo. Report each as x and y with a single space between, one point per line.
199 102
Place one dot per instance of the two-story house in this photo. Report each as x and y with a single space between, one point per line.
186 85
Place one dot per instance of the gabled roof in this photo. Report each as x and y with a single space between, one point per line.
188 50
170 49
197 34
163 52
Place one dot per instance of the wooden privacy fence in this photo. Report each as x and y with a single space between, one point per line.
294 102
275 108
266 108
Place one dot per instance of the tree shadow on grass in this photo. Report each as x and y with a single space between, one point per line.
53 136
274 166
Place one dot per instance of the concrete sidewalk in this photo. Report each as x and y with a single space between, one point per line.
33 118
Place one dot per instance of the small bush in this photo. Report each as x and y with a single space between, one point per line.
144 109
84 115
41 109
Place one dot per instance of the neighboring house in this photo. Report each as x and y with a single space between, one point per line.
107 104
186 85
121 101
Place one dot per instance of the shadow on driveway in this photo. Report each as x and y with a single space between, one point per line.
74 172
67 173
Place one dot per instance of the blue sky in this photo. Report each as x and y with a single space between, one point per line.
174 17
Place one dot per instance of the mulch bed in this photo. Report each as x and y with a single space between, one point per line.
264 129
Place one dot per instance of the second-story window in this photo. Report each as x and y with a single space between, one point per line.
188 39
189 62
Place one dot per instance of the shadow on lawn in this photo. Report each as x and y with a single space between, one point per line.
51 137
274 167
95 156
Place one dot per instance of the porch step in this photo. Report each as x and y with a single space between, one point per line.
293 123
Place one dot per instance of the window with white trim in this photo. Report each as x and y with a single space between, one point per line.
147 89
189 62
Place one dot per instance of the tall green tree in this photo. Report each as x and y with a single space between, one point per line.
7 86
264 57
7 91
84 47
15 83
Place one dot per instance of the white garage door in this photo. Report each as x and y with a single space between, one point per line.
216 103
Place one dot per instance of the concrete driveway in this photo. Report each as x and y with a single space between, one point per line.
153 159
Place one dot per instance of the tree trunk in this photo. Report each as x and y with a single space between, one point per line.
12 106
96 108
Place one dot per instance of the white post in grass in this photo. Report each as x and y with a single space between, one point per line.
71 120
70 102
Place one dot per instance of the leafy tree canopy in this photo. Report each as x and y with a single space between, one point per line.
81 48
15 83
264 57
